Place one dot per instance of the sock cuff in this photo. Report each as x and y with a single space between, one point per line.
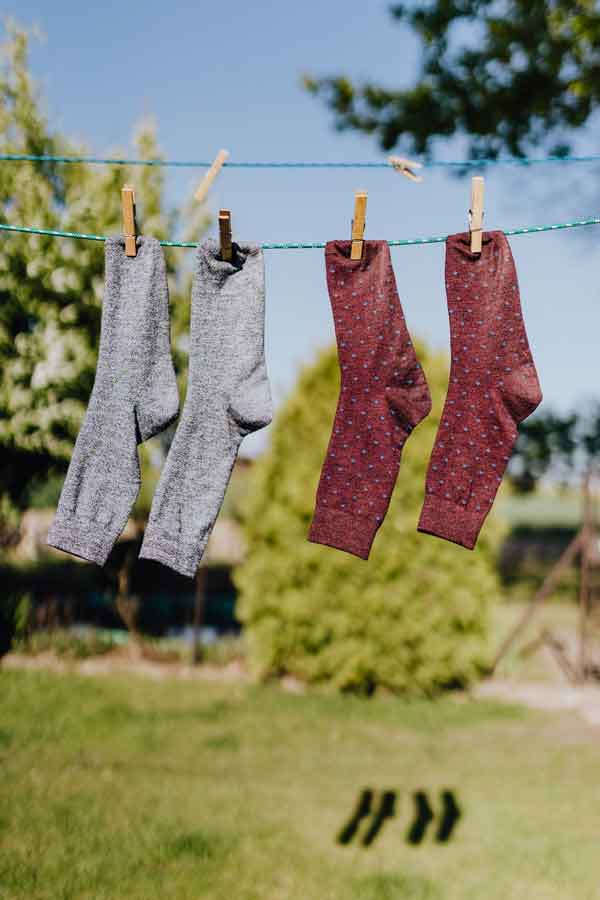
179 555
242 255
444 519
343 531
135 326
339 253
87 538
489 239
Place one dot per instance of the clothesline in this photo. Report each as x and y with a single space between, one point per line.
300 245
197 164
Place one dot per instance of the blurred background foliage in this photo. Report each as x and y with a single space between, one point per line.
507 76
415 619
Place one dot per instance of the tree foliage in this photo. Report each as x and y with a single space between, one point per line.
560 446
510 74
51 289
412 619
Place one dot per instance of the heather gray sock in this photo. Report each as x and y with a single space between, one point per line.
228 397
134 397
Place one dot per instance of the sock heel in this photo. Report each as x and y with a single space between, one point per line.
157 411
253 409
521 393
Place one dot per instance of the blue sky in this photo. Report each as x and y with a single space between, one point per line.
228 75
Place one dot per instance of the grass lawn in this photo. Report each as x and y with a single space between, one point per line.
114 788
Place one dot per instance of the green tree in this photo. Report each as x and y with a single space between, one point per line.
555 445
51 289
510 75
412 619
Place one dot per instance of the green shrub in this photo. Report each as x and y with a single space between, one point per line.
14 617
412 619
67 644
229 648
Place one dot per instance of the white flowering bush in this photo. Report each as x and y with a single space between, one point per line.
51 288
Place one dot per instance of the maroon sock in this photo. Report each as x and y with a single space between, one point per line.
493 386
383 395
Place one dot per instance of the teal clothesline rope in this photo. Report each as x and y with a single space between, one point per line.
196 164
288 245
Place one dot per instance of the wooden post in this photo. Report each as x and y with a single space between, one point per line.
199 608
558 651
538 598
584 581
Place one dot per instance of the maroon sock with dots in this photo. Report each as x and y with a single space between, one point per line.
493 386
383 395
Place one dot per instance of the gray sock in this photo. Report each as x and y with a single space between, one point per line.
228 397
134 397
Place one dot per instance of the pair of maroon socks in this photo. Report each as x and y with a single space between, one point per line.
384 395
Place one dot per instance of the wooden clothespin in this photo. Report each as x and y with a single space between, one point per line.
210 176
128 216
476 213
406 167
358 224
225 234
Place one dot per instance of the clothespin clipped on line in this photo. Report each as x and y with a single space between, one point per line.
128 217
358 224
405 167
210 176
476 213
225 234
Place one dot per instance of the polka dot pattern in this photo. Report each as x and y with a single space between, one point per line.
383 396
493 386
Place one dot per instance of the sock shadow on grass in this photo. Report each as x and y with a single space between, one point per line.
375 813
373 808
447 818
451 813
423 816
362 811
386 810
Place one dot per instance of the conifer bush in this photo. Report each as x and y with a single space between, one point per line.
413 619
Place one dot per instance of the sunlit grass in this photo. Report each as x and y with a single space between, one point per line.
115 788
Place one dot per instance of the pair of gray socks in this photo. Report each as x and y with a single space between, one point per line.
135 397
